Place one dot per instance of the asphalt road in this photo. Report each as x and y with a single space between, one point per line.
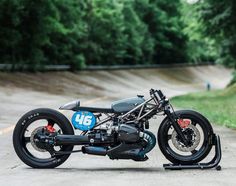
85 170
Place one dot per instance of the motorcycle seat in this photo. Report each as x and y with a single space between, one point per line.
75 106
120 106
96 109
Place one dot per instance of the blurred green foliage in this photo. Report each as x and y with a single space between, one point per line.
218 106
200 47
91 32
110 32
218 20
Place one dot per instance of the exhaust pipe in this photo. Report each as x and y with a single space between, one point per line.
64 139
94 150
71 140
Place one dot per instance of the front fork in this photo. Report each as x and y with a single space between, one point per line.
176 126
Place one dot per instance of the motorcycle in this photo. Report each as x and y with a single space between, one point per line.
45 138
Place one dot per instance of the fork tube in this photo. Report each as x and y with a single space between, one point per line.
176 127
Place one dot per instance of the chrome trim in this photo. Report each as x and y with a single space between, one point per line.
71 105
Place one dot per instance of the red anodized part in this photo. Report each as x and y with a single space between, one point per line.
50 128
184 123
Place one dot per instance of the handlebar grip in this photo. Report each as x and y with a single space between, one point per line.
152 91
161 95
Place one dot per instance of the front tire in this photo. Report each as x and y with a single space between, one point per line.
21 142
171 146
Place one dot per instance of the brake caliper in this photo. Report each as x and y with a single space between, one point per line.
184 123
50 128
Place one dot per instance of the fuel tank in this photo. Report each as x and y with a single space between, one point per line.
125 105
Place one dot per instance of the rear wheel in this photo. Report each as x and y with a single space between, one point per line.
45 122
198 132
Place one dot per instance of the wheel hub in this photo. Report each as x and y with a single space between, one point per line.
192 135
35 141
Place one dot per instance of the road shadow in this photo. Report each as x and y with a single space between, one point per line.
106 169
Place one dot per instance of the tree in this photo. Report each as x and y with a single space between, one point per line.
218 18
165 27
10 37
37 32
200 47
91 32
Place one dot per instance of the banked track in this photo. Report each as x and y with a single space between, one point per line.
120 83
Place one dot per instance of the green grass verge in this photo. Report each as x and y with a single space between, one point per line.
218 106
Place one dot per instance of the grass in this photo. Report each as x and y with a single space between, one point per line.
218 106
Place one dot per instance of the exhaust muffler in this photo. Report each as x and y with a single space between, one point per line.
94 150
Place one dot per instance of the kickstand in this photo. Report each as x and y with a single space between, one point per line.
213 163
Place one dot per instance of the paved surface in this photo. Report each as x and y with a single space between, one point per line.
86 170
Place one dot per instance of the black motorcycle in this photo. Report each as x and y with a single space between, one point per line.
44 138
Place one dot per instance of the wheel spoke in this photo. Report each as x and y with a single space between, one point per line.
51 122
194 123
52 154
169 137
194 151
27 139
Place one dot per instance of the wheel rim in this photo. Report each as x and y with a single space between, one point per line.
192 134
186 153
26 143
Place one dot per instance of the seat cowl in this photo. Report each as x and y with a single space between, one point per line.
73 105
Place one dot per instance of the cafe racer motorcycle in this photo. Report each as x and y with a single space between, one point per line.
45 138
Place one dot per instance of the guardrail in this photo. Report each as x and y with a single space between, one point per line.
16 67
119 67
24 67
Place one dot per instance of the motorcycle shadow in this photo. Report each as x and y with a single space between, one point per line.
111 169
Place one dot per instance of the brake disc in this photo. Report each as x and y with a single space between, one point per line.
195 140
33 142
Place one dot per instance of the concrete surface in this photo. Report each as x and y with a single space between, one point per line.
22 92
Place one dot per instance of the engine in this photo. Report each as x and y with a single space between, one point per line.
128 134
124 142
134 143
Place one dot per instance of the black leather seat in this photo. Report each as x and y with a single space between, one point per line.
95 109
120 106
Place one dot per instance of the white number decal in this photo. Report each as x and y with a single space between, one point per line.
87 120
83 120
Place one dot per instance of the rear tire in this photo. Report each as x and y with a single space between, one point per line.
21 127
198 155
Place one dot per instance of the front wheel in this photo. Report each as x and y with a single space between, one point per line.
197 131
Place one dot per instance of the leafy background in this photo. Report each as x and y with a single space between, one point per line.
111 32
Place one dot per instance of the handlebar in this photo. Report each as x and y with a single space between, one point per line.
157 93
159 97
